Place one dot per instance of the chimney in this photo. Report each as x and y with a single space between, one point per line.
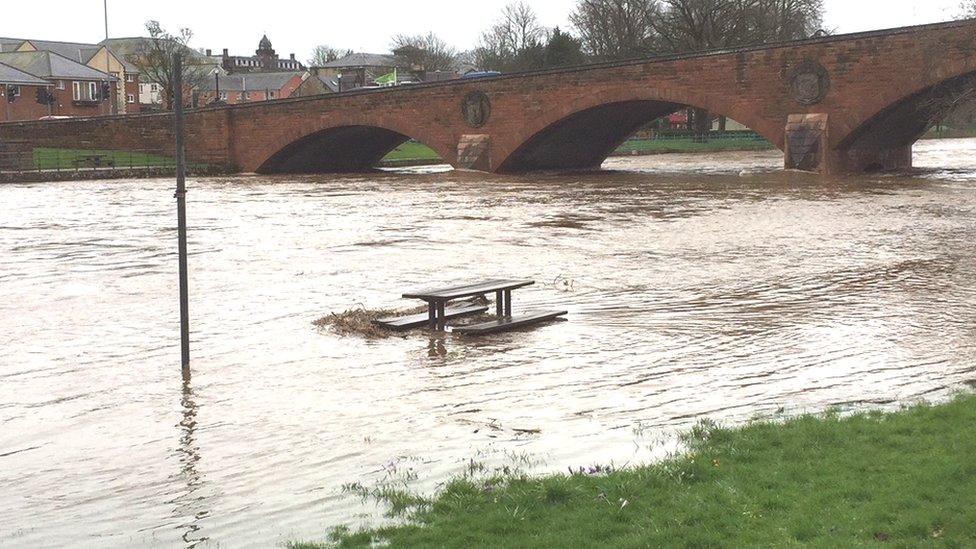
292 56
209 53
225 53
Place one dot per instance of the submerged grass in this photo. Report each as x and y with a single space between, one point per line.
904 479
359 322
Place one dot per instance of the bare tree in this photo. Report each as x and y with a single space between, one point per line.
782 20
615 29
696 25
324 54
517 33
154 58
427 53
967 9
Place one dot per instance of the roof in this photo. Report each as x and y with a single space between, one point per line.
10 44
13 75
76 51
131 48
356 60
46 64
331 83
255 81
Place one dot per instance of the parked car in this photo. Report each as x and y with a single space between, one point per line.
481 74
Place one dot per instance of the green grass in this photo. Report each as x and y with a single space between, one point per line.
412 151
69 159
689 145
905 479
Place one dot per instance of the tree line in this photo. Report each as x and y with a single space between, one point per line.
609 30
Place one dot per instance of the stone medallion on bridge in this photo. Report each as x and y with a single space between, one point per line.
476 109
810 83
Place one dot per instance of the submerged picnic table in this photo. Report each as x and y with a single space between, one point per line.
437 299
438 313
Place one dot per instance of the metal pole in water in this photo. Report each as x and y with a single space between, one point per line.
177 96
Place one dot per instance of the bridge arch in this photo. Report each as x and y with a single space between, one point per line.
340 148
582 132
906 118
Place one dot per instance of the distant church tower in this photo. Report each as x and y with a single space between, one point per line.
266 55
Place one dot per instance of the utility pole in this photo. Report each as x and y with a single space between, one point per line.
113 107
181 212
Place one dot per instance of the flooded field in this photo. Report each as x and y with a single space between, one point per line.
698 286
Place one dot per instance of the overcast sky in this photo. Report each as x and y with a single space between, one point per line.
296 26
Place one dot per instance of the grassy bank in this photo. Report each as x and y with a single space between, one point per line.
904 479
689 145
68 159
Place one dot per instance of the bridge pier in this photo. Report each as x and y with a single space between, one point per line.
474 153
808 149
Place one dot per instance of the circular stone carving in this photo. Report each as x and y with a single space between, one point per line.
476 109
810 83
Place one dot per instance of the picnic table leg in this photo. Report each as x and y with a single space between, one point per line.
431 314
508 302
499 304
441 321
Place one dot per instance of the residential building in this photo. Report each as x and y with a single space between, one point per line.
23 96
240 88
76 89
98 57
264 60
315 82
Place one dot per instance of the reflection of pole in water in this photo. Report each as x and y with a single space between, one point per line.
189 504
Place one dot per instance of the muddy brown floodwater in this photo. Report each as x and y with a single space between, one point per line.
698 286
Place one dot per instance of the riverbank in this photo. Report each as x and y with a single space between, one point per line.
906 478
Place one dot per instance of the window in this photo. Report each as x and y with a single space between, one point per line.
60 84
130 98
271 95
223 96
154 88
93 91
130 78
76 91
13 91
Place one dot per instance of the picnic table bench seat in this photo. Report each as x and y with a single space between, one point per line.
507 323
419 320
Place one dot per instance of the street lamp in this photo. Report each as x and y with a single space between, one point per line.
216 73
339 78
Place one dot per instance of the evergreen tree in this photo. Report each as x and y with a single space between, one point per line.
563 50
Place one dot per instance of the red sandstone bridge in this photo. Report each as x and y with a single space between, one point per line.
838 104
